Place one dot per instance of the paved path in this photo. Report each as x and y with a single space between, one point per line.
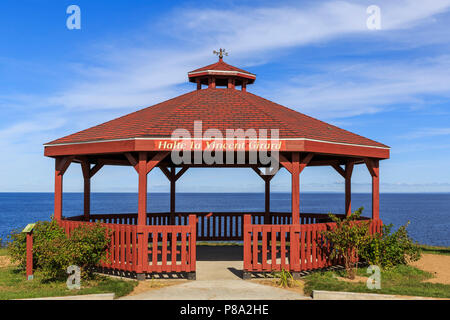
218 290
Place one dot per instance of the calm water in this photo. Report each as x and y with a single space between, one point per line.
429 213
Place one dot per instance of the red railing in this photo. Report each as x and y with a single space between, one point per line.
217 226
147 249
291 247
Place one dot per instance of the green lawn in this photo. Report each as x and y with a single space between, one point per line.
13 285
401 280
435 250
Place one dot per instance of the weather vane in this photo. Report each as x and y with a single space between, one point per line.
220 53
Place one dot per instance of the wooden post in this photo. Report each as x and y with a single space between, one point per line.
30 255
376 191
348 188
142 213
211 82
266 177
172 195
142 205
374 168
267 206
230 83
192 246
61 165
295 191
58 192
86 168
247 246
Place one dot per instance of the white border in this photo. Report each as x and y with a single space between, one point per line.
196 139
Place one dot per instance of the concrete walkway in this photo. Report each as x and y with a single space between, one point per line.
219 277
218 290
219 262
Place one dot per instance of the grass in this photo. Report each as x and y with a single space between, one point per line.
435 250
400 280
13 285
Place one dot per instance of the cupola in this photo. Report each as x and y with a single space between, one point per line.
221 74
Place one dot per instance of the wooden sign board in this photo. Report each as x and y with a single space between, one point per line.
29 228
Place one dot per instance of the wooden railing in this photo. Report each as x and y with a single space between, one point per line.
291 247
164 247
147 249
217 226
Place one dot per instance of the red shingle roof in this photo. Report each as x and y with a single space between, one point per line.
219 109
220 66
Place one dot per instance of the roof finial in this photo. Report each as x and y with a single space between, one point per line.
220 53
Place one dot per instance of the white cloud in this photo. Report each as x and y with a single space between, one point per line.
140 76
248 30
349 89
428 132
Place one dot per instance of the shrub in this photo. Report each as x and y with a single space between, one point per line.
347 239
388 249
89 245
284 278
54 251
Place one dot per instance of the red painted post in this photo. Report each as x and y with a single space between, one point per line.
58 190
142 214
295 188
61 165
230 83
348 188
212 82
376 191
193 245
247 223
172 195
30 255
267 206
85 166
142 206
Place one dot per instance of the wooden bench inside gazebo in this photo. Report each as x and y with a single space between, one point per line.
145 243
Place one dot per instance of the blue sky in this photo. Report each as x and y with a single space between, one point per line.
318 57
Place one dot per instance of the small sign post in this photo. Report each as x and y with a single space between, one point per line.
29 231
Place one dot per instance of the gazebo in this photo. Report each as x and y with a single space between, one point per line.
145 243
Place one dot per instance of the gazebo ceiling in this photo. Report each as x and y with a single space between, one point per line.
216 108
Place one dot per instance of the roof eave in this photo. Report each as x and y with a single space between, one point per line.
154 144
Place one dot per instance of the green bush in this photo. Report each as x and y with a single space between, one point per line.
347 239
89 245
388 249
284 278
54 251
